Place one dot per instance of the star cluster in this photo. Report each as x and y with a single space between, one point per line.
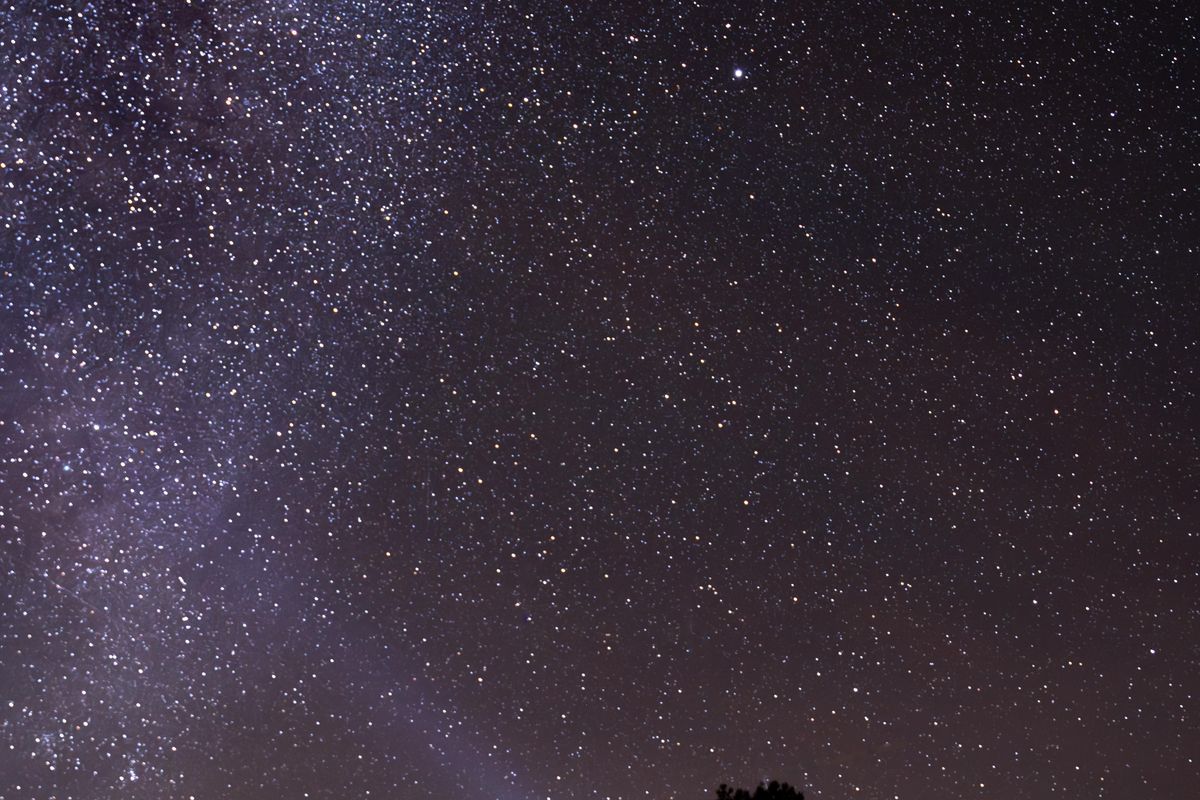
584 400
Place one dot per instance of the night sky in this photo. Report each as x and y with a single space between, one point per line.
576 400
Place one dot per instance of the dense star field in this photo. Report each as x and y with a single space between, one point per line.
574 400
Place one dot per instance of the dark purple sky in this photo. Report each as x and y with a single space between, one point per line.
588 401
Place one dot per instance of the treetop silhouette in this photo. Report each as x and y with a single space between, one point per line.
765 791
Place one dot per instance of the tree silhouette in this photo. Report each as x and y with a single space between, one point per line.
768 791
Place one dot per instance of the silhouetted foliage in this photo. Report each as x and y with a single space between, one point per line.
769 791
